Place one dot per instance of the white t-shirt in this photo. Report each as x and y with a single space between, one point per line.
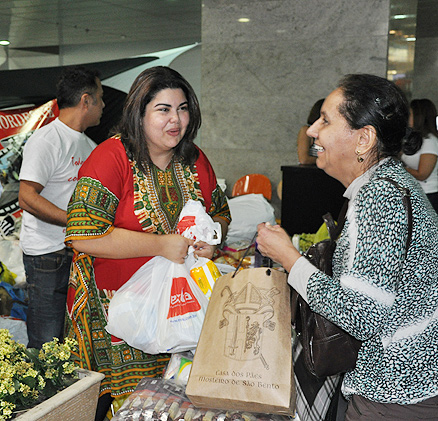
52 157
430 146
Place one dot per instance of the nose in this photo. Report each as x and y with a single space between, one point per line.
312 131
175 116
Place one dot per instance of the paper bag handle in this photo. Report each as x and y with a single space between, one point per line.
245 254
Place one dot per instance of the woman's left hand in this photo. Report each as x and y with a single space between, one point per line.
204 250
274 242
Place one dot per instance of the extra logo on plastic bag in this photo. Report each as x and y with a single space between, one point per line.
182 299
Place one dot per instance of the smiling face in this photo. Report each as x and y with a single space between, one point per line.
336 143
165 122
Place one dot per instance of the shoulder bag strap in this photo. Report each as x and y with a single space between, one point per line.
333 229
342 218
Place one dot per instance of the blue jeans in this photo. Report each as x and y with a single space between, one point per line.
47 278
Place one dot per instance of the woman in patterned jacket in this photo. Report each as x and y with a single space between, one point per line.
124 211
381 293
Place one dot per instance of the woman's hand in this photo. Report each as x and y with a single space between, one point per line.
274 242
174 247
204 250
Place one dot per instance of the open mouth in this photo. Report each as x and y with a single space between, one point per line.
318 148
174 132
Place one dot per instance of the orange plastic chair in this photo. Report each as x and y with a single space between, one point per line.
253 183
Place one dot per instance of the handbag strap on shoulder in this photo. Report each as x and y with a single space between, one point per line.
333 229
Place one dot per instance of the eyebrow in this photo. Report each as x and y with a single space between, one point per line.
168 105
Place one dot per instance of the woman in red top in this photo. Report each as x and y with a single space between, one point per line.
125 210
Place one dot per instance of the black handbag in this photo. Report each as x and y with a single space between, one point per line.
327 349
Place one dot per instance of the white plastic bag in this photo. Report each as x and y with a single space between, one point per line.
160 309
178 368
12 256
195 223
247 211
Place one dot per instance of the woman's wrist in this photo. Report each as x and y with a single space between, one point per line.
290 261
289 257
161 245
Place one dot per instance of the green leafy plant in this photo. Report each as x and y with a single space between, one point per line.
307 240
29 376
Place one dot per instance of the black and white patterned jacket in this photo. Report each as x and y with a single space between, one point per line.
388 301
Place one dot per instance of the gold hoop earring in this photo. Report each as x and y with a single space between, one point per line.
359 158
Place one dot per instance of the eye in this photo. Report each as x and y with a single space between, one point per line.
184 108
163 109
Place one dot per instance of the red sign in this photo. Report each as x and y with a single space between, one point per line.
24 120
16 126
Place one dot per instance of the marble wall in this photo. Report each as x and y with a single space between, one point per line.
425 81
260 78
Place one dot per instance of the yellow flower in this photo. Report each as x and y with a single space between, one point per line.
68 367
64 355
41 382
25 389
49 374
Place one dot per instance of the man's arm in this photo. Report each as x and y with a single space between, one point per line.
30 200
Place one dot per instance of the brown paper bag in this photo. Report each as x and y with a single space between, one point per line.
243 360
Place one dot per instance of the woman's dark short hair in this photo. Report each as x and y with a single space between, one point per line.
378 102
73 83
425 116
144 89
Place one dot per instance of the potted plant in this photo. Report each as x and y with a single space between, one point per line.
35 383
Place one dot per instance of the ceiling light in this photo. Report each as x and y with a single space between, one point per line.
403 16
4 42
411 39
243 20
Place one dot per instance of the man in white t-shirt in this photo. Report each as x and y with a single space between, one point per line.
52 157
